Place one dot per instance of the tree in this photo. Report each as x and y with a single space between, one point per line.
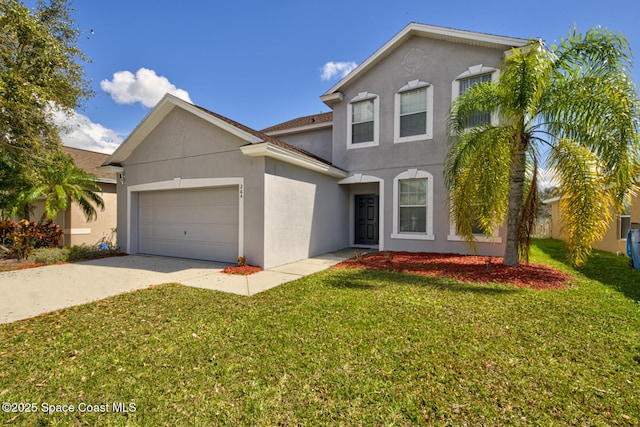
574 103
14 179
40 71
59 181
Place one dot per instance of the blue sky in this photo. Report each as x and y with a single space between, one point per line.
261 63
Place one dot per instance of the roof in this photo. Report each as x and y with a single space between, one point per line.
169 102
427 31
301 123
90 161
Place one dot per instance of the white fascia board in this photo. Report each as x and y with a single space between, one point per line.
300 129
331 98
141 131
107 180
429 31
110 169
266 149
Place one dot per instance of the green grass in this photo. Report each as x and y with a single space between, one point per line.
342 347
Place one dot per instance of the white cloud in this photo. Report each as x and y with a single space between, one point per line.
80 132
145 87
332 69
547 178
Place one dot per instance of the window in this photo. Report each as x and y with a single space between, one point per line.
465 81
477 233
414 106
362 124
478 117
413 112
413 205
363 121
625 221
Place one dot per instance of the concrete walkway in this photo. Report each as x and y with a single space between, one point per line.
28 293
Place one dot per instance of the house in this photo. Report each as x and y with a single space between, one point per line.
369 173
77 230
615 238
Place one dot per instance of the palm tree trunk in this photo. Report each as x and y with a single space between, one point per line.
516 192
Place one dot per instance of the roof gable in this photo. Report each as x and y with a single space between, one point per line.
427 31
162 110
263 144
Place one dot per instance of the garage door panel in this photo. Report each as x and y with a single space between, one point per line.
192 223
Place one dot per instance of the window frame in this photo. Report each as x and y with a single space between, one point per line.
475 71
625 215
428 233
411 86
361 97
478 237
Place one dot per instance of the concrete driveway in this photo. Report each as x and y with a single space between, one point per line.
30 292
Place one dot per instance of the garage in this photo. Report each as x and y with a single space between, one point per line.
198 223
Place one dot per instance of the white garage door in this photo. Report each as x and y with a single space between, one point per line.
198 223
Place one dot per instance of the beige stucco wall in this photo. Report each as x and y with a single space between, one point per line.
79 231
611 241
556 224
635 211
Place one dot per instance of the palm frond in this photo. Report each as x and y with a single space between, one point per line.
476 174
586 204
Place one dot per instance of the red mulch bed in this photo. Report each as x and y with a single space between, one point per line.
464 268
243 270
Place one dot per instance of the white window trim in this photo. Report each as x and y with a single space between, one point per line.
414 84
476 70
413 174
479 238
620 237
363 96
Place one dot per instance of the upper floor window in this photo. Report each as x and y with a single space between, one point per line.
465 81
414 112
363 113
478 117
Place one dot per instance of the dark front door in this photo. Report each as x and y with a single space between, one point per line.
366 219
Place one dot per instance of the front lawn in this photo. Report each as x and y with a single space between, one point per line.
341 347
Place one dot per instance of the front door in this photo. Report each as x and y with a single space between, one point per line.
366 217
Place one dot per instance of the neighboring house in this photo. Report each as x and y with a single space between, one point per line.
368 174
77 230
615 239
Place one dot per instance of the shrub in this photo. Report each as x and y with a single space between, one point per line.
51 255
24 236
48 235
82 252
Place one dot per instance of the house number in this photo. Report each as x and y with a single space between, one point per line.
240 186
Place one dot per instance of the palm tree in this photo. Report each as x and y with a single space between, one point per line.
59 181
573 103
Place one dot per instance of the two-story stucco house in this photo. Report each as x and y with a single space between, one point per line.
369 173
